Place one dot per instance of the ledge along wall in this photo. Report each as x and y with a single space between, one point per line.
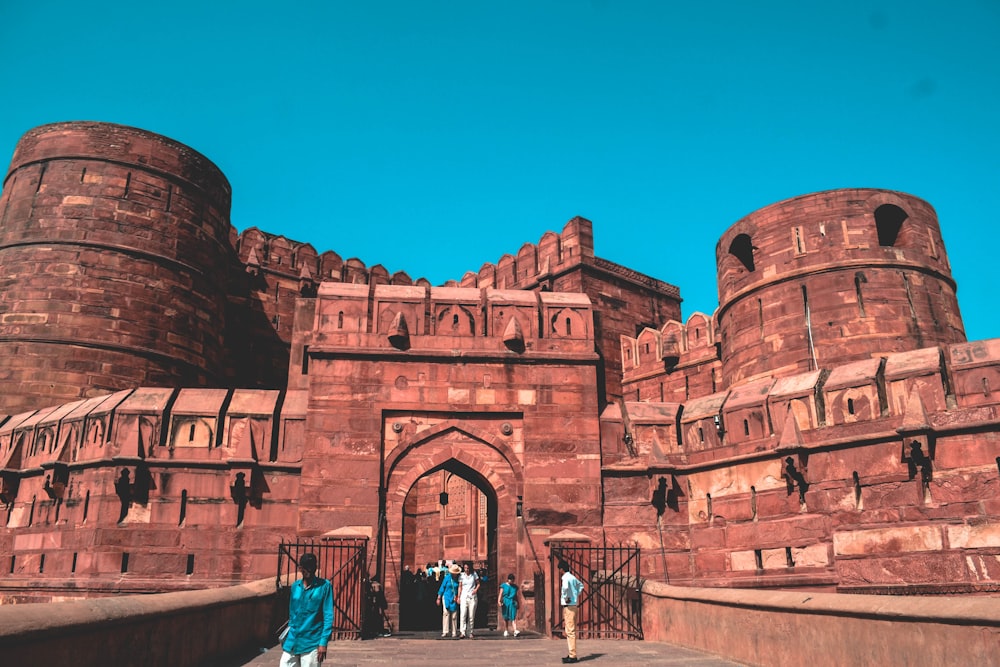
778 628
178 629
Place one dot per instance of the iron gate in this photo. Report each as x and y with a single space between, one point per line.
611 604
342 563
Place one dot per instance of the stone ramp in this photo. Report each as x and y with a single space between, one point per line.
492 648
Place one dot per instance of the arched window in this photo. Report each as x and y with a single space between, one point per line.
888 221
742 249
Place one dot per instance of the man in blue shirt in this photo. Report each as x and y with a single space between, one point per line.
570 591
310 618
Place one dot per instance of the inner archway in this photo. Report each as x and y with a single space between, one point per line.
449 515
483 478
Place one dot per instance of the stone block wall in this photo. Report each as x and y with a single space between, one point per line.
151 489
795 628
496 387
113 248
824 480
832 277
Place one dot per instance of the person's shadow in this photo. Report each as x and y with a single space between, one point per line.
589 657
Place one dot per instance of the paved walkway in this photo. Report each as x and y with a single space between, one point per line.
491 648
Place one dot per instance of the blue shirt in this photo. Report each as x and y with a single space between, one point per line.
448 592
310 616
571 589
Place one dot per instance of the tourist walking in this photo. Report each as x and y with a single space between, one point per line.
507 601
468 590
447 599
310 618
570 591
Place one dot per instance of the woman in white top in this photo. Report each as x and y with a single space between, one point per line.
468 587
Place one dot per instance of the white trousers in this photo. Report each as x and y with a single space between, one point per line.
310 659
449 620
468 615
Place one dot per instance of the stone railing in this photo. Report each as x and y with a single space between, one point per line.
180 629
775 628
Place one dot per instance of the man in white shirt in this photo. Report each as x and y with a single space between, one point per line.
570 592
468 587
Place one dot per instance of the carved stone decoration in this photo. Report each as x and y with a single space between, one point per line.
399 332
513 337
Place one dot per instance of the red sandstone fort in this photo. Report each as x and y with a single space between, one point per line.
179 398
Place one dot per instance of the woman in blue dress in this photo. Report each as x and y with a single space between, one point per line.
507 601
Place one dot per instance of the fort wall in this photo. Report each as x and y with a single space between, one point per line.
624 300
827 428
497 387
164 489
872 476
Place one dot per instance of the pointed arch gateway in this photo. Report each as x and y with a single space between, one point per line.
485 481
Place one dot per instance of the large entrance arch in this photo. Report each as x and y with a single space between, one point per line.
450 514
483 480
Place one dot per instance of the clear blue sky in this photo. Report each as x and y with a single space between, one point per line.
431 137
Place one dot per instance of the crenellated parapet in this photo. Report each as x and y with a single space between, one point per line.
261 252
137 431
536 263
450 320
536 266
858 399
154 483
655 351
675 362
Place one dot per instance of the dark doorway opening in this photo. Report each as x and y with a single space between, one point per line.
449 515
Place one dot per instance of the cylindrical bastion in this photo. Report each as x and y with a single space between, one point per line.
832 277
113 258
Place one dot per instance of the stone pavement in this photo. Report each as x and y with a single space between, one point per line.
422 649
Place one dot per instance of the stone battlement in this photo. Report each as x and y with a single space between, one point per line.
923 389
451 319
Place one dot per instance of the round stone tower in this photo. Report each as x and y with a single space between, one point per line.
113 258
826 278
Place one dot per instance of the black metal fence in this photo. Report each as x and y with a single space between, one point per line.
611 604
342 561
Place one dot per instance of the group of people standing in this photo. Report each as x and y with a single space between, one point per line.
458 598
310 622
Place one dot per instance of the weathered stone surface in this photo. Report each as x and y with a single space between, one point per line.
887 540
175 389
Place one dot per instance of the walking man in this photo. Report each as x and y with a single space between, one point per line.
570 597
310 618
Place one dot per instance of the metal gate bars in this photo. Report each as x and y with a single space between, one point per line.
611 605
342 562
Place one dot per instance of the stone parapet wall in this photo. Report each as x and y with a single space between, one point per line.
777 628
923 387
184 629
